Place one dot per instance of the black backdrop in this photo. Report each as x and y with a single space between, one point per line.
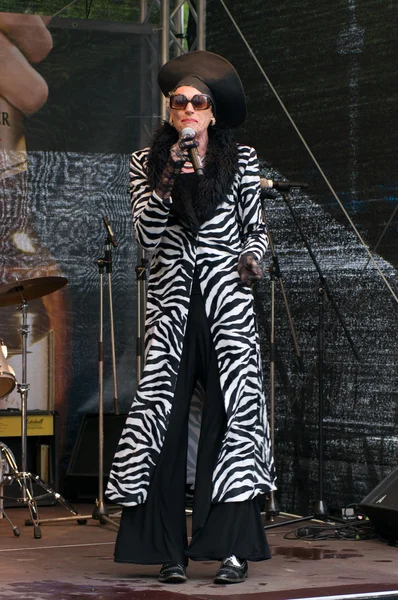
334 68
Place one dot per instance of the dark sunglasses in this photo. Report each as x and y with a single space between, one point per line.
198 101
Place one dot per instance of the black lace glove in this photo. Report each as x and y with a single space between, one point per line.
249 270
179 155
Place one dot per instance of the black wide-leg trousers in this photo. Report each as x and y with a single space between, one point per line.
155 532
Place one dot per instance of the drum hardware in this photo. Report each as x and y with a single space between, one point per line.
20 292
7 375
23 290
7 461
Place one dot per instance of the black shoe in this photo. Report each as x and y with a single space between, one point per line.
232 570
172 573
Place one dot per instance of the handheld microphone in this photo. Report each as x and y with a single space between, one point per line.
110 233
193 153
281 185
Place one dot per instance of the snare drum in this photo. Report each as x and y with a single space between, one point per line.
7 375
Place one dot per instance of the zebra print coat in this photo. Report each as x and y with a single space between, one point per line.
214 239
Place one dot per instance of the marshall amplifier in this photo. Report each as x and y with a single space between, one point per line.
81 482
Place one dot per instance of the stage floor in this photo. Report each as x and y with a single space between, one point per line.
73 561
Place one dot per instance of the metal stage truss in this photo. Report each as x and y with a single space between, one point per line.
175 15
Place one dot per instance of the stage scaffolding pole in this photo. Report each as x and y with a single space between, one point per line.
173 31
201 25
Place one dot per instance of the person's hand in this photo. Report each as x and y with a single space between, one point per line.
179 152
179 155
24 39
249 270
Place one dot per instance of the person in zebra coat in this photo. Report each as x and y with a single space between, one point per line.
207 238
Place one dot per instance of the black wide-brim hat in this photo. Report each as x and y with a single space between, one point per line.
217 74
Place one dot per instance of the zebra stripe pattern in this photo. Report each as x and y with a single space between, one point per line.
245 466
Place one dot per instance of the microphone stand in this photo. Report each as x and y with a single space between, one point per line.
140 271
101 512
320 509
110 239
271 507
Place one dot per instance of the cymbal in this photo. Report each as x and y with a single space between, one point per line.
23 290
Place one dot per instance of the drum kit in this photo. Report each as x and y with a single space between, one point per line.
19 293
7 373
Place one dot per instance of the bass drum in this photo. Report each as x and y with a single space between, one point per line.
7 375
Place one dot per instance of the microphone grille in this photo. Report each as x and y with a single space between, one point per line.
188 131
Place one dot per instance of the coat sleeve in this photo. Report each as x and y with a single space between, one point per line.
253 229
150 213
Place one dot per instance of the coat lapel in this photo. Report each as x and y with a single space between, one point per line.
196 202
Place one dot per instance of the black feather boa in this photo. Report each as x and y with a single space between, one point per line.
221 164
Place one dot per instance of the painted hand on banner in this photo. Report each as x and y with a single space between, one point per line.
24 39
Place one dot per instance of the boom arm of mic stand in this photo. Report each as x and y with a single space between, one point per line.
277 273
141 309
289 317
322 279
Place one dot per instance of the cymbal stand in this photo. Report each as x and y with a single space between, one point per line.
24 478
101 512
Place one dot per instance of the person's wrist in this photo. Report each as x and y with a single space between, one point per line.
175 164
